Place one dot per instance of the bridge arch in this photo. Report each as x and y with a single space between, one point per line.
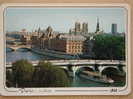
101 68
23 48
14 48
110 71
8 49
88 68
78 68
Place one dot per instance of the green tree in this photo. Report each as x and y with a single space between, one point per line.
22 73
9 78
108 46
47 75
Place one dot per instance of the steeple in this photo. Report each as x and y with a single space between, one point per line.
97 27
39 31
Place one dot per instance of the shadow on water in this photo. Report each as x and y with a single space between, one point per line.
82 82
8 50
23 50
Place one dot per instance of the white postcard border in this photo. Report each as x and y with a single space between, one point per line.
64 91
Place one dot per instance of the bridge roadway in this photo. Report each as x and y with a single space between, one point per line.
78 62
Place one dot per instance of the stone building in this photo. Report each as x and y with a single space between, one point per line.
85 27
25 39
74 44
60 42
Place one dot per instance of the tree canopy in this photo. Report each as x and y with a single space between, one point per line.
108 46
43 75
48 75
22 73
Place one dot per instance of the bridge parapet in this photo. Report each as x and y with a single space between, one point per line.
78 62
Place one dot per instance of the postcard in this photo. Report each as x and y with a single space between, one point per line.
64 49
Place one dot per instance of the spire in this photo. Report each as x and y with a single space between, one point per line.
97 27
39 30
97 20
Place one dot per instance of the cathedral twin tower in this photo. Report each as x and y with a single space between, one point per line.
78 27
84 28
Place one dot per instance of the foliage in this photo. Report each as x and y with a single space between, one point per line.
22 73
43 75
108 46
48 75
9 78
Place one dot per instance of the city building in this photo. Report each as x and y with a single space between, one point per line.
34 40
25 37
23 32
114 28
73 43
60 42
77 42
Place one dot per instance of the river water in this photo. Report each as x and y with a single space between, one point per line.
12 56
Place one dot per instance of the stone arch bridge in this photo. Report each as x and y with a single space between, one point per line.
16 47
75 65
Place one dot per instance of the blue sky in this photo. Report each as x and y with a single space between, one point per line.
62 19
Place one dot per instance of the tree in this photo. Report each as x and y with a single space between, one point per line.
48 75
22 73
9 78
108 46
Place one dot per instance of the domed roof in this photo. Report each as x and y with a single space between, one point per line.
49 29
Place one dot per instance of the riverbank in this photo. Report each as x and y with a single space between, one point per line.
51 53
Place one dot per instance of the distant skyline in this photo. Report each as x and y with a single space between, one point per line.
62 19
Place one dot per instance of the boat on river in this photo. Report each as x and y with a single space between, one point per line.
95 76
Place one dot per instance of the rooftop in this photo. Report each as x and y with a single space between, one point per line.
72 37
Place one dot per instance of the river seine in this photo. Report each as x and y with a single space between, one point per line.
12 56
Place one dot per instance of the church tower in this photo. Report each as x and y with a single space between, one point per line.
97 27
39 32
77 28
85 27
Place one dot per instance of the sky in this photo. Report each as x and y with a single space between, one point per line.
62 19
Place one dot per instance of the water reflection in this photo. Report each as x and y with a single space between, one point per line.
12 56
